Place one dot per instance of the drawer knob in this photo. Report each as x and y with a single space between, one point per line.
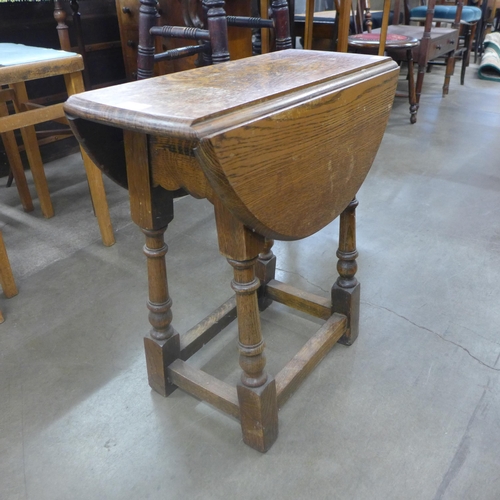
131 44
126 10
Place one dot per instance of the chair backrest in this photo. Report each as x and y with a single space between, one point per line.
213 43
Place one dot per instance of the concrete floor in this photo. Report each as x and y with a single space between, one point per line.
410 411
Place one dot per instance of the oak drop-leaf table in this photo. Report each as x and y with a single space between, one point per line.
279 144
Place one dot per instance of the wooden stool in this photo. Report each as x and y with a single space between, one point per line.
19 64
278 144
6 277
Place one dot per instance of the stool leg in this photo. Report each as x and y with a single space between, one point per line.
16 165
257 390
346 290
33 153
6 277
163 345
74 85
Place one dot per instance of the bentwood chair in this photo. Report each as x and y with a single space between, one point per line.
464 17
19 64
400 46
6 277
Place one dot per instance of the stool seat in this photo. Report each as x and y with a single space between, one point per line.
16 53
18 65
447 13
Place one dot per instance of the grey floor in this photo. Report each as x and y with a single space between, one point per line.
410 411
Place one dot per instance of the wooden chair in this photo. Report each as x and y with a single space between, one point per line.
212 38
400 46
19 64
463 17
6 277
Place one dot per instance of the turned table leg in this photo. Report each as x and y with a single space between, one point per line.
256 390
162 346
346 290
152 209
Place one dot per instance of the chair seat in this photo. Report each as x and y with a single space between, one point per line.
393 40
446 14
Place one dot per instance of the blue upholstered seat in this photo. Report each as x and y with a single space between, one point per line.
446 14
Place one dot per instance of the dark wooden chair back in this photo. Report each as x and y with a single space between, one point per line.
212 38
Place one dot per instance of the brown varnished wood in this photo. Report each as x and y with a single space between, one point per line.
151 207
201 102
298 299
256 390
304 362
259 415
152 210
208 110
183 169
234 170
195 338
265 270
205 387
236 241
346 290
233 133
163 345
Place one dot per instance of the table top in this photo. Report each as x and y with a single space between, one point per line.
284 139
188 103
